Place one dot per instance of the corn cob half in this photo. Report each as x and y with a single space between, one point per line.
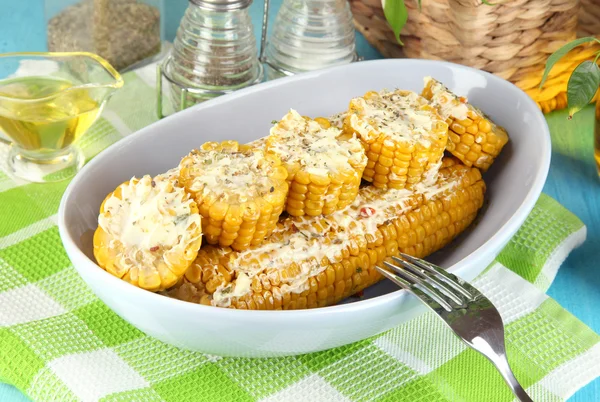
324 170
473 137
318 261
240 192
149 232
404 137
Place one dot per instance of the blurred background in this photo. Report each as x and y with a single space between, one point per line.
23 24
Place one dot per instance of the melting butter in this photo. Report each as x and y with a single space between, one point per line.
239 176
318 150
307 241
399 115
447 103
337 120
149 215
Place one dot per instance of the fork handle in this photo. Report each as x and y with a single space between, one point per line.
501 363
516 388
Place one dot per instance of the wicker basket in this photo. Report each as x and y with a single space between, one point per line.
512 39
589 18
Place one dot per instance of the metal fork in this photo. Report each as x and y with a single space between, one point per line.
471 316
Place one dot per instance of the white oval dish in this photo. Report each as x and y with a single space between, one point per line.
514 184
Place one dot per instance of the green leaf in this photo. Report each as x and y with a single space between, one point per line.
396 15
487 3
560 53
582 86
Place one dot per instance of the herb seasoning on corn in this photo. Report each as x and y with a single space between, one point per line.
240 192
149 232
324 171
336 120
402 134
284 218
318 261
473 137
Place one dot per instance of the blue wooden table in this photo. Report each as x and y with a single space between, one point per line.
573 180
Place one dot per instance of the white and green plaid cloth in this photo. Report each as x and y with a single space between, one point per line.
58 342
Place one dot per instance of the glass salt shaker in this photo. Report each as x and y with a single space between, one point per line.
214 53
308 35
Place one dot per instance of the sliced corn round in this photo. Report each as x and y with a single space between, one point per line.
149 232
324 169
240 191
473 137
404 137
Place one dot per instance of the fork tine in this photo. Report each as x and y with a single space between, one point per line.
416 270
419 291
409 276
441 273
417 283
422 264
394 278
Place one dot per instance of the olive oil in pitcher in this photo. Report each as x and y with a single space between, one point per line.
47 102
45 114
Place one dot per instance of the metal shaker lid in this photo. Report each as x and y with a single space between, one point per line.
222 5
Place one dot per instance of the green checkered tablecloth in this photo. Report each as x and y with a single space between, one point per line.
58 342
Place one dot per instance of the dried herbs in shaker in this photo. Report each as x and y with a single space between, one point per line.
124 32
214 53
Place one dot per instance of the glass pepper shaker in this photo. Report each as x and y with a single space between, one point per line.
214 53
309 35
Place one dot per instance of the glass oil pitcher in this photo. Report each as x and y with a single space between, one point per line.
47 102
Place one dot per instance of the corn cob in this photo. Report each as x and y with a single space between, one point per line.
318 261
324 171
149 232
473 137
240 192
402 134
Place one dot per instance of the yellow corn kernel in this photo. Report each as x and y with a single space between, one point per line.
323 122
